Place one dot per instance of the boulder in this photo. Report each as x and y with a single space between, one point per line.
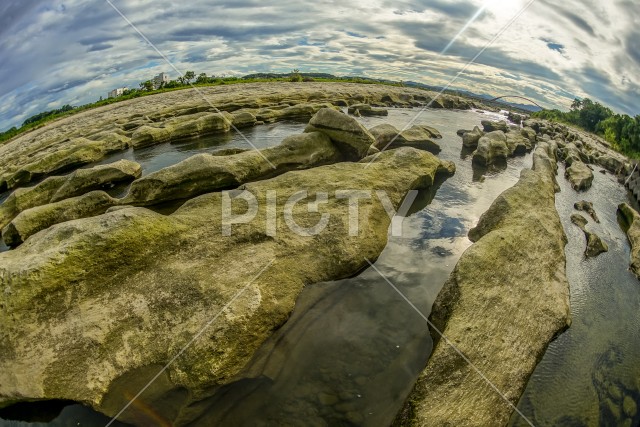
530 134
244 119
470 139
388 137
204 173
433 132
461 132
517 144
94 308
367 110
30 221
491 126
630 222
492 148
505 301
347 133
595 245
579 175
587 207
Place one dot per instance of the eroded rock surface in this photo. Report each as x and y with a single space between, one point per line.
348 134
492 148
595 245
579 175
56 188
503 317
203 173
32 220
93 308
88 136
630 220
388 137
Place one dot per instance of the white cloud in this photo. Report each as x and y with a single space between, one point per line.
75 51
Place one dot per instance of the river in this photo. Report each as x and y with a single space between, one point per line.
352 348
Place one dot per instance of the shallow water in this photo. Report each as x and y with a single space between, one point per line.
586 373
352 348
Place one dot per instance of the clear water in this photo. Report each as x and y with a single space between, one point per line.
352 349
586 373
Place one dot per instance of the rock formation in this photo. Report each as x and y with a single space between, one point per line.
503 317
56 188
630 221
579 175
93 308
587 207
492 148
595 245
388 137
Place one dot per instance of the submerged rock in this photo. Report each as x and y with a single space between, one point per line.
630 221
579 175
595 245
587 207
506 299
492 148
94 308
39 218
347 133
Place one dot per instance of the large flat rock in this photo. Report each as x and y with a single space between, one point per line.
506 299
88 136
93 308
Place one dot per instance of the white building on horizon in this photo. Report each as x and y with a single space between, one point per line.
160 79
117 92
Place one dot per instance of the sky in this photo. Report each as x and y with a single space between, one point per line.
58 52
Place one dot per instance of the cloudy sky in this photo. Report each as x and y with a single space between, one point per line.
60 52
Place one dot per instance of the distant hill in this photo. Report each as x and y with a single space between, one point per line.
481 97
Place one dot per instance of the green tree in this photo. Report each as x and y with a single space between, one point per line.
295 76
188 76
147 85
202 78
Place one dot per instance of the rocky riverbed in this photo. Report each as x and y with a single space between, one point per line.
108 281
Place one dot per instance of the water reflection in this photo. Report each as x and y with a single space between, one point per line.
590 375
352 348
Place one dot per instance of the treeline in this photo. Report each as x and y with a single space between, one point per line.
35 120
621 130
40 116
